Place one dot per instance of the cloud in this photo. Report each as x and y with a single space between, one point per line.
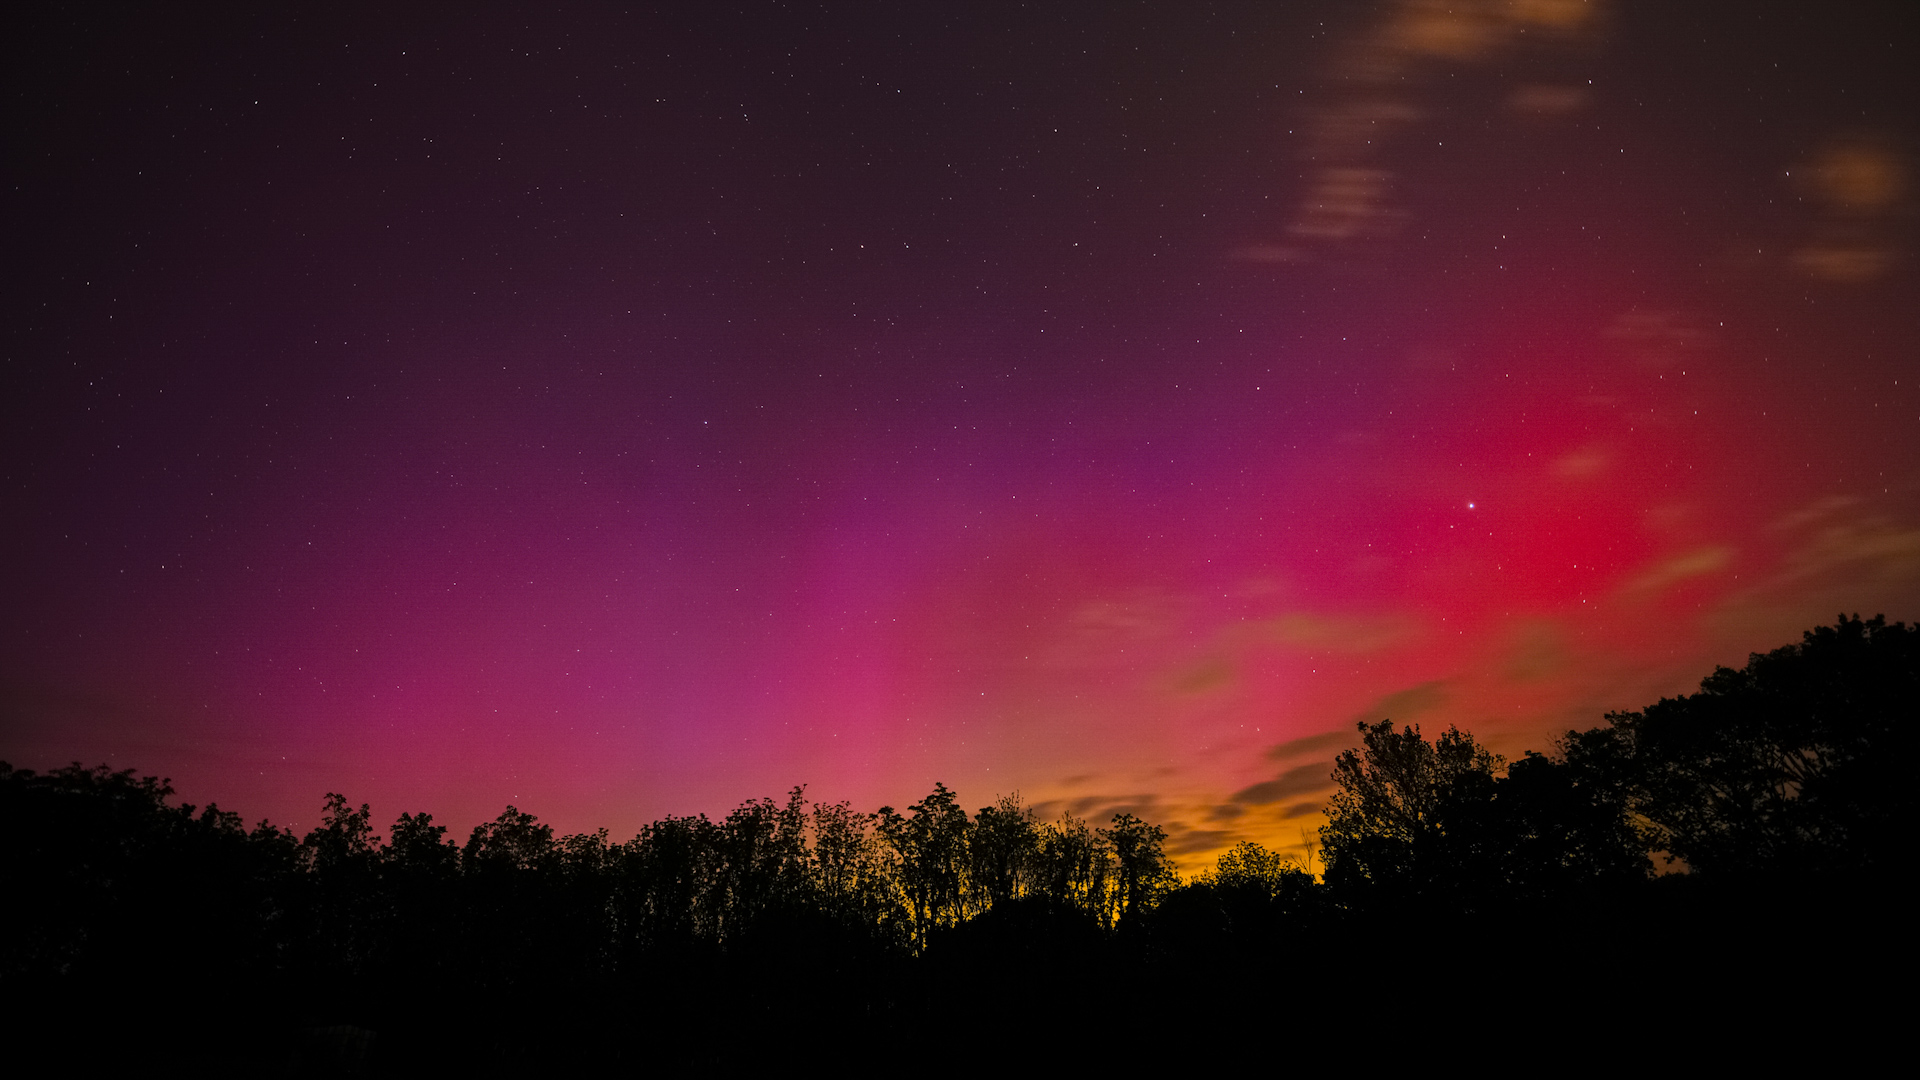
1536 651
1676 569
1099 809
1100 632
1658 337
1301 780
1384 73
1406 705
1346 202
1841 554
1860 178
1583 464
1313 744
1456 33
1543 101
1315 776
1860 184
1188 841
1268 253
1846 545
1210 674
1344 633
1427 29
1139 618
1844 260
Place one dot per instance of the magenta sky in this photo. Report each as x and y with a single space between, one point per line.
630 413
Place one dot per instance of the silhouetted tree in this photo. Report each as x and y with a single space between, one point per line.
1143 872
1074 866
1250 867
71 840
930 859
345 840
106 880
1554 826
512 841
1799 762
1403 819
420 874
1002 849
851 871
1438 821
761 862
1793 768
347 906
507 908
1253 899
420 848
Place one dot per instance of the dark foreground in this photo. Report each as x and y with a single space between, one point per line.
1515 917
1678 971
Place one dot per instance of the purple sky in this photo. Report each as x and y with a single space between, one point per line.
621 412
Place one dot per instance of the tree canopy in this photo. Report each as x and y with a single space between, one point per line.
1797 761
1787 769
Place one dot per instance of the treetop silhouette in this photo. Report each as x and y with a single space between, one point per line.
1789 768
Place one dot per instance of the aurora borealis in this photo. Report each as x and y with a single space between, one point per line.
627 411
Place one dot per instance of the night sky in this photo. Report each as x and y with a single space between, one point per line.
628 411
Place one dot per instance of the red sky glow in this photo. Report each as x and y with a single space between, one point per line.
620 413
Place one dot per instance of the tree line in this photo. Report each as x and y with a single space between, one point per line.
99 845
1793 765
1781 771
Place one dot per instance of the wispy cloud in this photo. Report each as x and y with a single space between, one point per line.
1405 706
1385 75
1860 184
1300 780
1343 633
1674 569
1312 744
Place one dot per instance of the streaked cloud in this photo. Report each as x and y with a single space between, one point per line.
1343 633
1346 202
1269 253
1312 744
1858 177
1306 779
1583 464
1844 541
1675 569
1537 650
1109 629
1405 706
1658 337
1860 184
1547 100
1212 673
1388 77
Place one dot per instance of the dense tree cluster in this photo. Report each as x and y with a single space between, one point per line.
1781 772
97 844
120 885
1799 761
1792 765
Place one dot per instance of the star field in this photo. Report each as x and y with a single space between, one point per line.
631 412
